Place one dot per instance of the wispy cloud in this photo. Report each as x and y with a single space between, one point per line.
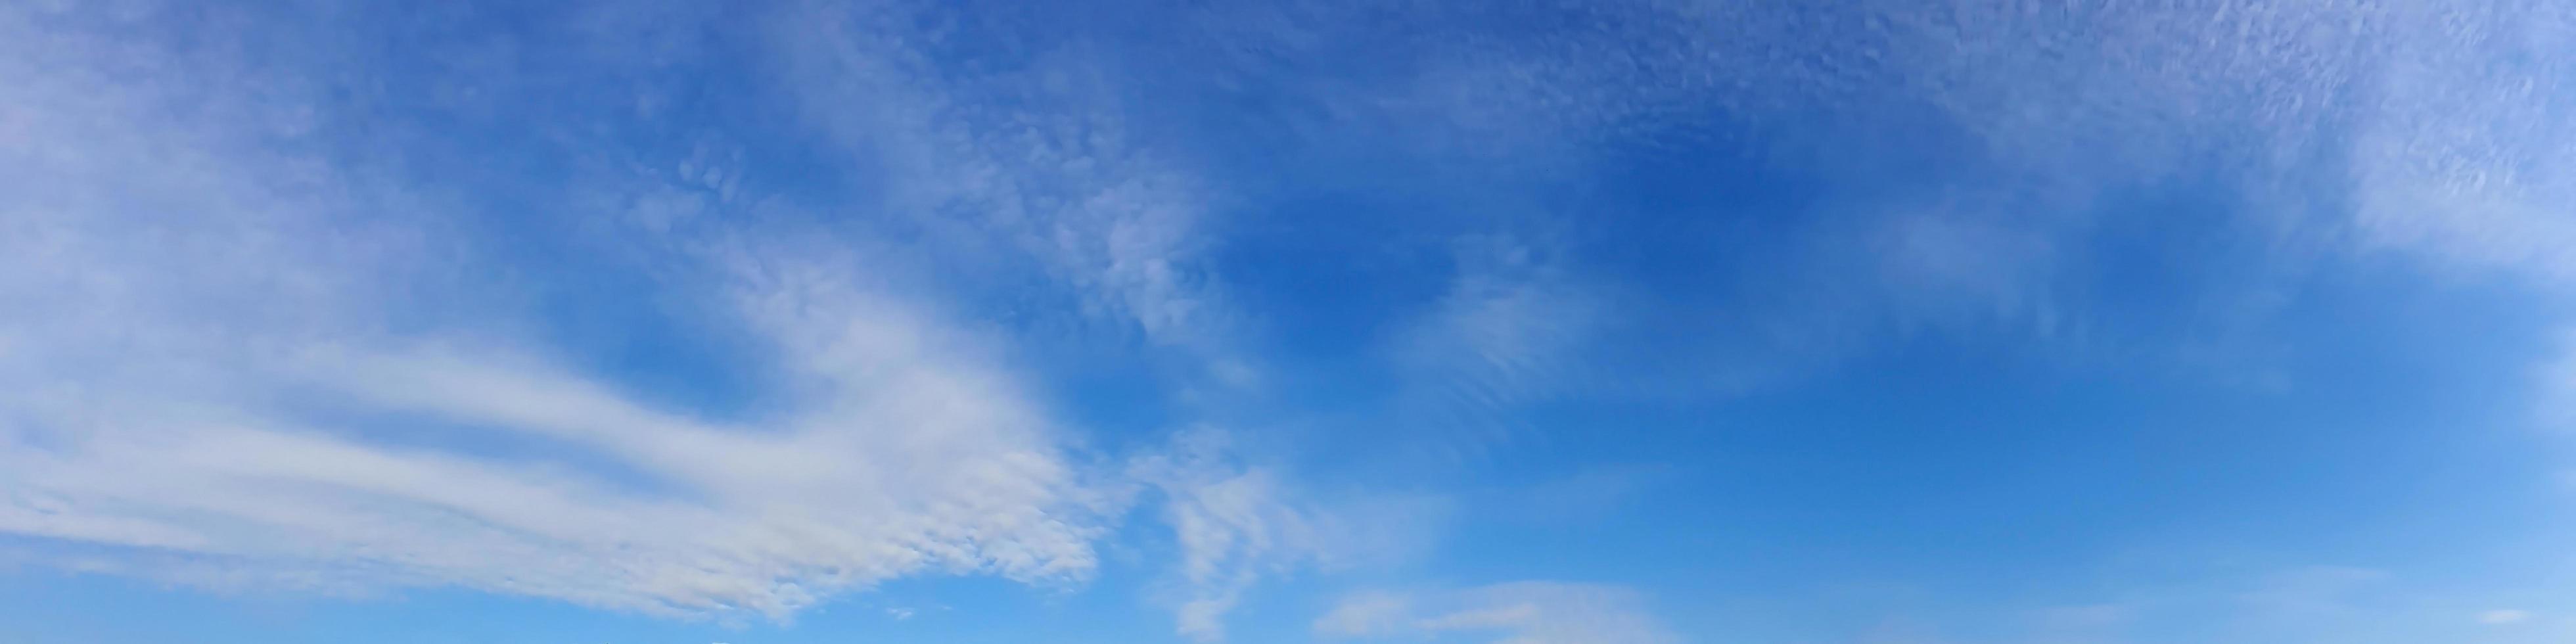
2223 603
1510 330
239 347
1238 522
2503 616
1530 612
216 376
1234 524
1585 495
2320 131
1029 162
2464 153
241 353
2312 591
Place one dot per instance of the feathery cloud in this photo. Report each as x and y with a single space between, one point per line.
236 358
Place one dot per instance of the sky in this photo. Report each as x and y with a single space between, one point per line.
1421 321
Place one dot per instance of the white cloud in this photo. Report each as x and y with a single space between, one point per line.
1237 522
1509 330
2316 128
1055 184
2438 130
234 360
1367 613
2467 151
1588 494
2313 591
2503 616
1945 263
1233 527
1530 612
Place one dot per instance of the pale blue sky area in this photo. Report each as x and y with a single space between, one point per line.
1527 322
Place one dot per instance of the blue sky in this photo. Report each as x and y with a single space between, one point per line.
1615 322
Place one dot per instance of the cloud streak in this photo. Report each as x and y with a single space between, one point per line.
1529 612
1030 157
1237 522
215 377
248 348
1511 329
241 343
